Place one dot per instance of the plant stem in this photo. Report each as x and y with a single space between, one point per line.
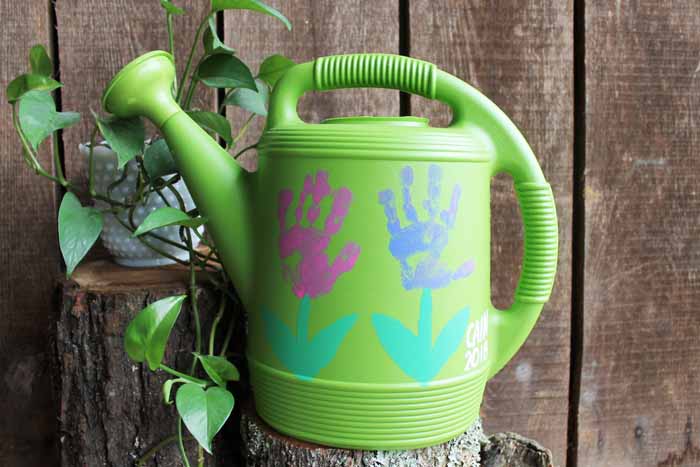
171 35
244 129
200 456
193 296
152 452
227 339
226 96
190 56
181 444
247 148
91 162
188 378
190 91
57 162
215 324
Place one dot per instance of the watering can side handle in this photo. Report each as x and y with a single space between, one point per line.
474 112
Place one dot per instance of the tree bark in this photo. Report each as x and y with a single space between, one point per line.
111 410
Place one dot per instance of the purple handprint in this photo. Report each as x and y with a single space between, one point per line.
419 244
314 275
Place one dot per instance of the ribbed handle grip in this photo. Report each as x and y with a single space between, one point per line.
375 71
541 242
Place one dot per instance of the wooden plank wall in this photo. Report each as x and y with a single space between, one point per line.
520 55
611 85
640 386
30 262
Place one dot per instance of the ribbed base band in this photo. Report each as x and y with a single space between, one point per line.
366 416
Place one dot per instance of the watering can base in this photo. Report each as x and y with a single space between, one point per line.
364 415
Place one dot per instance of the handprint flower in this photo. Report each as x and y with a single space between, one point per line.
314 274
419 244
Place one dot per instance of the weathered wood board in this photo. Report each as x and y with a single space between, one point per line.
29 258
520 55
319 28
640 384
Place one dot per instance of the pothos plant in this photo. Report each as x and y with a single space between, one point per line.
201 399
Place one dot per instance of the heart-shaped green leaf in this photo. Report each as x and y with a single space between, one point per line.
39 119
78 229
204 412
211 121
171 8
273 67
166 216
253 5
212 43
158 160
29 82
219 369
147 334
39 61
255 102
124 135
225 71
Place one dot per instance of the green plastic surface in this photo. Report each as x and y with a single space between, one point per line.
361 249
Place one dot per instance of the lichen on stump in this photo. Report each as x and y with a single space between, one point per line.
264 447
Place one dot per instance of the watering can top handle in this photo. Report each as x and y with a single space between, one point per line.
362 71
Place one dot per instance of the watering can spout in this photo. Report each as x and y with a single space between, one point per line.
219 186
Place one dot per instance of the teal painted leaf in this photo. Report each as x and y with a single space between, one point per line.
213 122
211 41
21 85
166 216
171 8
253 5
448 340
158 160
147 334
39 119
404 347
225 71
219 369
204 412
78 229
39 61
252 101
273 67
303 356
124 135
415 354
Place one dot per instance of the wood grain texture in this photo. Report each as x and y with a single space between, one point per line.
640 385
319 28
96 39
520 55
28 254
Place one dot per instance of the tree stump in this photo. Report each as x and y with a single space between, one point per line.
112 412
264 447
111 409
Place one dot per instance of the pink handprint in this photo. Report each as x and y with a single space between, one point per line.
314 275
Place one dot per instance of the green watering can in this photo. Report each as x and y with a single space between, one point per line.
361 248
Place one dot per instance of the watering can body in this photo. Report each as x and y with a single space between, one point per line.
361 250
